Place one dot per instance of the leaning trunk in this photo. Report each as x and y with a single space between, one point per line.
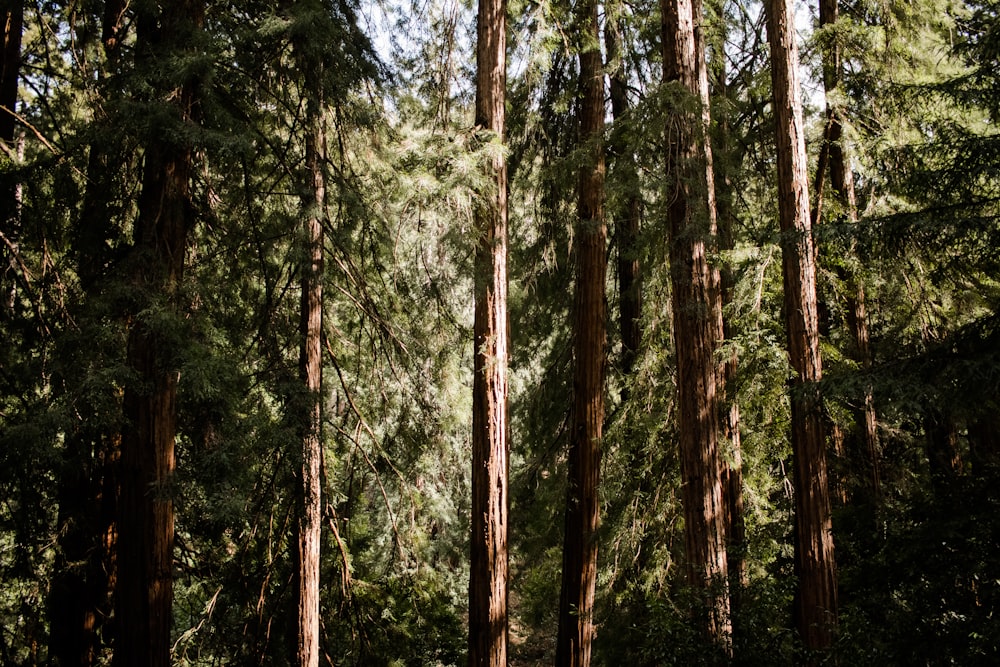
488 565
579 576
816 599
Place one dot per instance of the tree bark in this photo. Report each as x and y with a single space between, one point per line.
313 188
579 575
816 599
697 315
488 625
144 594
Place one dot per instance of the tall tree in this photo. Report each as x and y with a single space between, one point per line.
816 597
834 155
628 211
87 490
579 574
697 316
312 191
488 627
732 465
144 592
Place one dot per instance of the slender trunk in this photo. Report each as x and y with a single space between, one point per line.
842 181
579 576
488 626
816 600
144 594
309 510
626 214
695 299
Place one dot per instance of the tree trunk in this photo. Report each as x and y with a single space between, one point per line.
732 465
579 576
695 300
816 600
626 213
488 626
10 66
309 512
865 434
81 594
144 594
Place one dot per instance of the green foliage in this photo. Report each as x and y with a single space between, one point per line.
403 172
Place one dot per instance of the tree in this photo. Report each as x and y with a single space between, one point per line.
312 189
834 155
579 573
816 597
628 211
489 558
697 316
144 592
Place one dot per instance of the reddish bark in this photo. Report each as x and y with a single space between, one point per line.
816 600
697 315
579 576
144 594
488 625
309 511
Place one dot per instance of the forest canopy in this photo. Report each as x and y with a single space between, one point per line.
499 332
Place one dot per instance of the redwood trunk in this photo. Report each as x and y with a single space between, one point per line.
310 365
695 299
816 600
579 576
488 625
146 530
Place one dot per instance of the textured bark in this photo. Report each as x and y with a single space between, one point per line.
579 576
309 509
488 625
144 594
865 435
697 316
626 214
816 599
12 12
